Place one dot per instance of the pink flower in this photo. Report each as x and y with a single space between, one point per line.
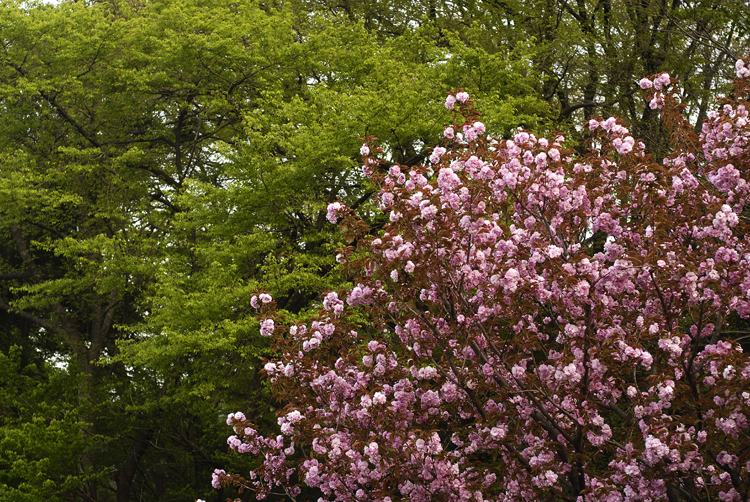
436 154
332 302
215 478
232 417
662 80
334 209
267 327
365 150
541 159
462 97
623 146
657 101
646 83
450 102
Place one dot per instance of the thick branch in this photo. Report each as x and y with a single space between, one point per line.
44 323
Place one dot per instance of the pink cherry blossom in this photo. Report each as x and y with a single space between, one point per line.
267 327
333 211
532 324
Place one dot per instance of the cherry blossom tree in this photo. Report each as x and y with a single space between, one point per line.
530 325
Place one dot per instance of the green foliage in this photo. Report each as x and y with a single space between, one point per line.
41 432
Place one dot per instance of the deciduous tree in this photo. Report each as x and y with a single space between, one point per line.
494 349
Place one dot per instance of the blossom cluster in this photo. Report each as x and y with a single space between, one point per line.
660 84
539 326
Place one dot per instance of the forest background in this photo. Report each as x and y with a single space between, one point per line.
162 160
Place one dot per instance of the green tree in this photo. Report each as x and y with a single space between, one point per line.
159 162
41 433
109 112
588 54
591 54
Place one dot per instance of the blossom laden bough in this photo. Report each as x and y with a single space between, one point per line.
507 355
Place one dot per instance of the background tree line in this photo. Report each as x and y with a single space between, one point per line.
162 160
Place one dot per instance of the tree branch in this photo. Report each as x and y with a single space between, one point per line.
44 323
